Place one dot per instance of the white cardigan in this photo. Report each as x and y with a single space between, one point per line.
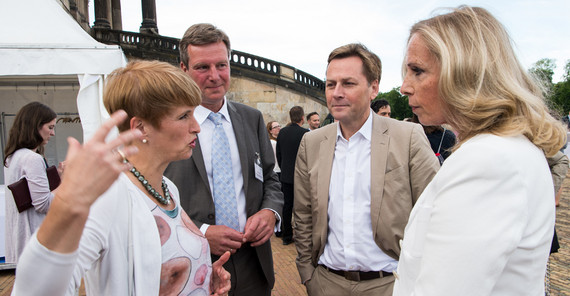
102 254
483 226
20 226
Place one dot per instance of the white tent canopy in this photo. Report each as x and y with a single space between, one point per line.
38 37
39 42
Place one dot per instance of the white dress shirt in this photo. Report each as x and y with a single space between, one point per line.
276 168
350 242
205 138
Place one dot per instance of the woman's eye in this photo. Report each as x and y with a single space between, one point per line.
417 70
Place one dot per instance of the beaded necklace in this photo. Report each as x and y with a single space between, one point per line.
163 200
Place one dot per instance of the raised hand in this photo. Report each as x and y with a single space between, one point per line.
220 284
90 170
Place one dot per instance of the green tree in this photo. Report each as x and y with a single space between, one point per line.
398 103
560 95
566 75
555 94
543 71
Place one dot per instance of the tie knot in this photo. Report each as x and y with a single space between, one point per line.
215 117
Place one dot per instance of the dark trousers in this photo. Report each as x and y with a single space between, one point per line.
247 277
288 196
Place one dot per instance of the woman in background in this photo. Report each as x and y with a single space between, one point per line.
135 239
273 128
484 224
33 126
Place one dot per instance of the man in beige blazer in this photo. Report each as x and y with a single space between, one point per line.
356 182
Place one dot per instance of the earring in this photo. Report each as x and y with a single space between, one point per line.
144 141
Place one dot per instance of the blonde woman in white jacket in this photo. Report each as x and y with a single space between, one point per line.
484 224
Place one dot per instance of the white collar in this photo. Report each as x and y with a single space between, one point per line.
201 113
365 130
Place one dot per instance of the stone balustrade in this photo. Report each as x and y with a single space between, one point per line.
242 64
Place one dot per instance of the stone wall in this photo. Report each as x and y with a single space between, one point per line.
272 100
79 10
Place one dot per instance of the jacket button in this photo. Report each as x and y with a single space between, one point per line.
211 216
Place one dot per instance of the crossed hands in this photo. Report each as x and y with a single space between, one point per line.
258 229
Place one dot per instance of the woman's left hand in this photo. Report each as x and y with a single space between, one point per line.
220 284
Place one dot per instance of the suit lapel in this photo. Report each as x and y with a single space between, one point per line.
326 157
378 159
198 159
238 126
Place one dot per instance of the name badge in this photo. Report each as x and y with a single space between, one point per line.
257 166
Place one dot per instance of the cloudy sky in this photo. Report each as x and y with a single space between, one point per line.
302 33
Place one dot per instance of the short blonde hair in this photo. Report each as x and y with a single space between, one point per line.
149 90
482 84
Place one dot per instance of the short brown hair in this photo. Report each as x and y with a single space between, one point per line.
371 64
201 34
311 114
149 90
296 114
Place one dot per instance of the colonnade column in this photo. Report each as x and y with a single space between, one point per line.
101 15
148 25
116 15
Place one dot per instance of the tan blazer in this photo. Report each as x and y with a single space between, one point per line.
402 164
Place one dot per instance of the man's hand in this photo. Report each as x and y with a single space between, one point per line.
259 227
222 239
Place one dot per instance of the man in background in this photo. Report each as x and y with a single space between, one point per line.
288 142
381 107
314 120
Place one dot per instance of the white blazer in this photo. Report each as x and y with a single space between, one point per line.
483 226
